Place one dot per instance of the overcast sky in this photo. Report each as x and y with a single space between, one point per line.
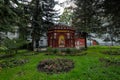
60 1
60 8
57 6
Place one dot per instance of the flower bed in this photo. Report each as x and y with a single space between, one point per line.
12 63
112 52
55 65
110 61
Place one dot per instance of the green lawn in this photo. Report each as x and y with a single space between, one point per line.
87 67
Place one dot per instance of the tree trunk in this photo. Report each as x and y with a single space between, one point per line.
34 24
111 38
33 40
85 40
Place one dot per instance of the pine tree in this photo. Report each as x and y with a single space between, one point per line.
112 12
85 16
42 18
8 17
49 14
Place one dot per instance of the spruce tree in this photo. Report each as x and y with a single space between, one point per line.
85 17
43 17
8 17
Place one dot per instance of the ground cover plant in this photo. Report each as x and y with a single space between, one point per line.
86 67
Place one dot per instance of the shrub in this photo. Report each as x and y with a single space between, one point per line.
52 51
68 51
55 50
64 52
13 44
75 51
3 48
55 65
49 50
83 49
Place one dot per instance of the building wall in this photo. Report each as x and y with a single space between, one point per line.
79 42
61 37
12 35
43 41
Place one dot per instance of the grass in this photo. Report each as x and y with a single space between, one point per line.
87 67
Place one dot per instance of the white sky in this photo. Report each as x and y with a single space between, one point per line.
58 7
29 0
59 1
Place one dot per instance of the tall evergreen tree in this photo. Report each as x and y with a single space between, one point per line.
8 17
49 14
43 17
85 16
112 12
24 12
113 8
